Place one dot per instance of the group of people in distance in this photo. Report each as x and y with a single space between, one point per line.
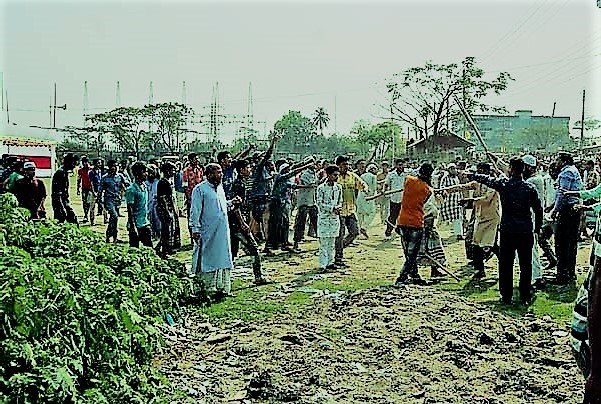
495 207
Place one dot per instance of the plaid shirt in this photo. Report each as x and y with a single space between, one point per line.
192 177
569 179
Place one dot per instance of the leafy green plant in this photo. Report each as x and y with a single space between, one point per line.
79 317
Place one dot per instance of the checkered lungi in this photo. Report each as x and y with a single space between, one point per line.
450 209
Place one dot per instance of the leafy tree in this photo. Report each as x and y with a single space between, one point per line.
590 124
321 119
169 121
297 132
125 124
422 95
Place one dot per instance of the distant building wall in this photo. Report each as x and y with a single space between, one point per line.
500 132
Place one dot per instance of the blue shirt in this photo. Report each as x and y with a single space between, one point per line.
229 175
137 196
95 176
569 179
111 186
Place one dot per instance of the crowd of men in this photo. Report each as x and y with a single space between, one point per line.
496 207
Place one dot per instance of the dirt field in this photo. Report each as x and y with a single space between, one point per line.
349 337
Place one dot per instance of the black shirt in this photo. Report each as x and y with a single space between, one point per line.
518 200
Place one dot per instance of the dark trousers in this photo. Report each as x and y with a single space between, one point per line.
566 242
144 236
395 209
113 211
411 239
342 242
510 243
546 233
64 213
301 219
249 244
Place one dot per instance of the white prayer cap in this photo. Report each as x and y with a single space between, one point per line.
529 160
372 167
283 167
29 165
308 159
451 165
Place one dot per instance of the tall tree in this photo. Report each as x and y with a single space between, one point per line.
590 124
169 123
422 96
126 127
321 119
297 132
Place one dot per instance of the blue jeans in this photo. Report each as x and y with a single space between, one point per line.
113 211
411 239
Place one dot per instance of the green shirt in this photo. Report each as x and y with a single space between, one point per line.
137 196
593 194
10 181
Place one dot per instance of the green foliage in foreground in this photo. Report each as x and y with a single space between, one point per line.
79 316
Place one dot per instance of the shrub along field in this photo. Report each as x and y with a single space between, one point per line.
80 316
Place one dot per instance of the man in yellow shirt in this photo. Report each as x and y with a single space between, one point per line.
350 183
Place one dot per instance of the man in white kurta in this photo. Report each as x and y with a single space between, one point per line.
212 256
328 199
366 210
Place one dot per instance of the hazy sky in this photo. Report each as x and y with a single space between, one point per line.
298 55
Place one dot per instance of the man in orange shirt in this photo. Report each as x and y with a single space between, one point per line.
410 222
192 176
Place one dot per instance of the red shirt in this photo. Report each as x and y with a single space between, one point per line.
192 176
84 175
415 194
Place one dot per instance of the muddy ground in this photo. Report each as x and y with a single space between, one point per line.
377 344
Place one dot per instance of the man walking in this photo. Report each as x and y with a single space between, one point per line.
60 190
84 188
112 186
212 255
394 182
329 205
239 219
136 198
568 219
350 183
305 203
31 192
518 200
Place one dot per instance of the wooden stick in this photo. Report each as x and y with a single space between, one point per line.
396 191
469 120
439 265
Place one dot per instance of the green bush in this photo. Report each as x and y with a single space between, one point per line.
78 315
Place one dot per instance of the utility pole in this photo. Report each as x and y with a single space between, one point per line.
551 121
7 113
392 130
2 88
55 107
582 120
150 94
118 95
335 126
86 105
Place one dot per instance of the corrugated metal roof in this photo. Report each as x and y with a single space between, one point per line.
21 142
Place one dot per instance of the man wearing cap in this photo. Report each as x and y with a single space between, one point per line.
532 176
451 210
305 202
568 219
31 192
60 190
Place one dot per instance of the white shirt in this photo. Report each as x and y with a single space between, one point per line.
395 182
